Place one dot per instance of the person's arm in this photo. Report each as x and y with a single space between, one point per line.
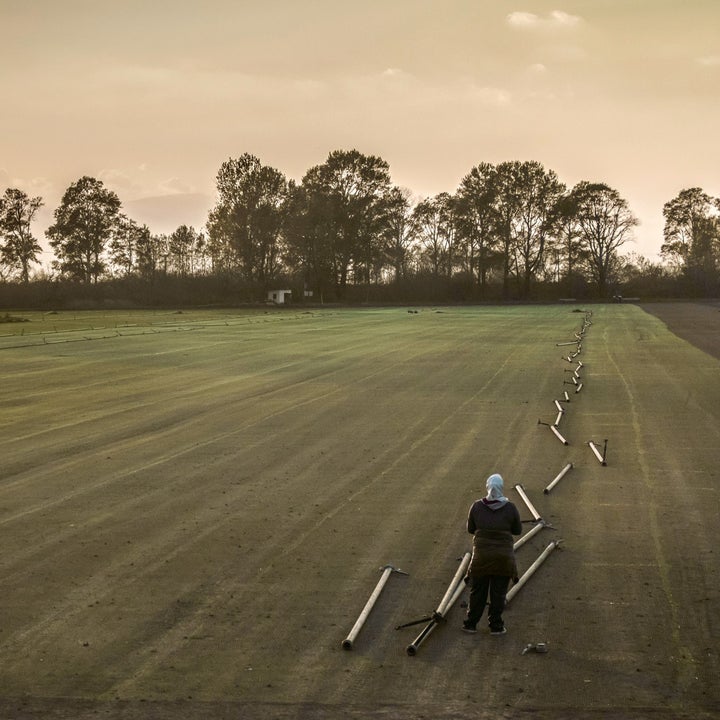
516 527
471 527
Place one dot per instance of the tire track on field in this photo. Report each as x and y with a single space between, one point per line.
688 670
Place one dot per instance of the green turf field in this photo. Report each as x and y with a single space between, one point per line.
195 507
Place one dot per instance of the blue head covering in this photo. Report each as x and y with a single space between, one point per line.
495 497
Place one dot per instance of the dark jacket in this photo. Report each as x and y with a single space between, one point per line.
492 531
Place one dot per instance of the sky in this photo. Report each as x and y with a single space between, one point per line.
152 96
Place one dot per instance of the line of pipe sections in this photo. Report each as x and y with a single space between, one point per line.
452 593
521 491
558 478
515 589
347 643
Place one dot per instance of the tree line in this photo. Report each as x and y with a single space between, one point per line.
511 230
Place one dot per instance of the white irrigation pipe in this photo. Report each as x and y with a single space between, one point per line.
600 456
557 419
412 648
521 491
559 436
531 570
558 478
555 431
567 397
529 534
453 592
559 406
347 643
455 596
459 574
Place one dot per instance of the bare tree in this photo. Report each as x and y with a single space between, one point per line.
605 223
399 230
151 254
538 191
567 245
476 221
123 244
435 229
183 247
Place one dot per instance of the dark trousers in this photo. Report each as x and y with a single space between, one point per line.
496 586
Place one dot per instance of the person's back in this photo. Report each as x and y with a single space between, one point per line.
492 521
503 516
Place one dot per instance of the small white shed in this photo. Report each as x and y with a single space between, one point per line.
280 297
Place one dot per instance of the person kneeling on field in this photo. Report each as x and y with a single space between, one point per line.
492 521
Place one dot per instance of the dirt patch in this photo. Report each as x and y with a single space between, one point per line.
698 323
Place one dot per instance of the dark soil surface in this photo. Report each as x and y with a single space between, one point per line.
698 323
